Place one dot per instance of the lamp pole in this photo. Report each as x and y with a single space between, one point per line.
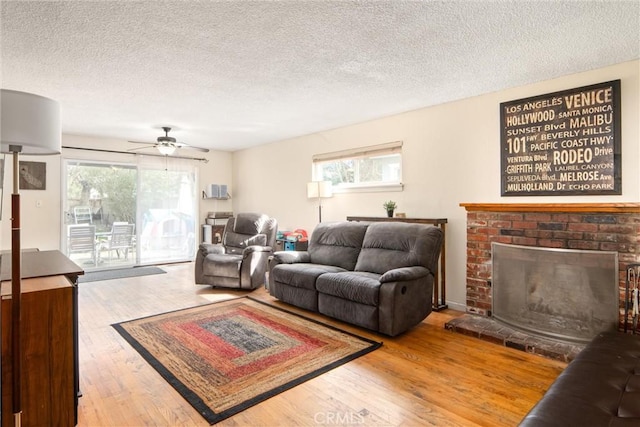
29 124
319 190
16 292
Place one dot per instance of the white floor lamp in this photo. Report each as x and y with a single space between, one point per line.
30 124
319 190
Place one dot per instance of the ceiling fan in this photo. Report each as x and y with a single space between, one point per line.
166 144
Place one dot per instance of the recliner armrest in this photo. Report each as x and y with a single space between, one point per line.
404 273
210 248
255 248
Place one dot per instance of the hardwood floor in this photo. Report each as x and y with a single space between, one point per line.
427 376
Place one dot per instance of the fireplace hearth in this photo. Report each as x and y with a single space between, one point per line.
489 329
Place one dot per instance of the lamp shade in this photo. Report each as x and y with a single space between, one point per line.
322 189
29 121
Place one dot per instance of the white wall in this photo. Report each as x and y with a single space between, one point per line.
451 156
40 226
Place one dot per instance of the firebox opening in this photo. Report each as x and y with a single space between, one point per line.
563 294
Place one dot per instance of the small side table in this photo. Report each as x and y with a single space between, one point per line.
439 279
285 245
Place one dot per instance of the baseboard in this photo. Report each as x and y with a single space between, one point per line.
457 306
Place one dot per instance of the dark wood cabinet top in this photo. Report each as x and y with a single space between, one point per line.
40 264
434 221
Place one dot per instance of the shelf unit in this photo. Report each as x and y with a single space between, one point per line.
205 197
217 222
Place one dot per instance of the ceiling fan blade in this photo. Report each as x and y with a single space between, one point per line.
191 147
142 148
140 142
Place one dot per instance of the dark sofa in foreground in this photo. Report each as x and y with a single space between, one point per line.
600 387
375 275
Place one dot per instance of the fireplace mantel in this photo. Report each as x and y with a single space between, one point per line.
553 207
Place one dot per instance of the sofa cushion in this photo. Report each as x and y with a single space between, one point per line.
389 245
301 275
222 265
337 243
360 287
300 297
355 313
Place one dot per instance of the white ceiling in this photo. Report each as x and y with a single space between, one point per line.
234 74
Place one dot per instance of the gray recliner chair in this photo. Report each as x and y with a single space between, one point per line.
241 260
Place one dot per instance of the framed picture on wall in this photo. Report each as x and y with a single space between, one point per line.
33 175
564 143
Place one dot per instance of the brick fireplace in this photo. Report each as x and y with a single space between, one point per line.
583 226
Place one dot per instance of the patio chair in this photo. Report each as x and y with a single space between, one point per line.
82 215
81 238
120 239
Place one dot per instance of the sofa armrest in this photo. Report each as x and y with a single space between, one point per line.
210 248
404 303
404 274
290 257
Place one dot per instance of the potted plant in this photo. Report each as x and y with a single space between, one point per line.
389 206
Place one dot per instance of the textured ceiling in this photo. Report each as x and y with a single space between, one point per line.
233 74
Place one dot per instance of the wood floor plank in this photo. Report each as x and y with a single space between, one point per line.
427 376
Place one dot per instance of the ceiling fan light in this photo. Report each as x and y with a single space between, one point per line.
166 150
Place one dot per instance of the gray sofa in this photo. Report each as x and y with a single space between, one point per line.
376 275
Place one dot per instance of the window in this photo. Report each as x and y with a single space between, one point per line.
377 167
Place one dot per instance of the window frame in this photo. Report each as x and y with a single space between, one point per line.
355 154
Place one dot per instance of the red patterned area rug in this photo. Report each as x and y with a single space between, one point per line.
228 356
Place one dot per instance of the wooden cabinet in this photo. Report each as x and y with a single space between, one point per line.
48 370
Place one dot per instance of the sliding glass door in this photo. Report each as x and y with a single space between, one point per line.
166 209
124 214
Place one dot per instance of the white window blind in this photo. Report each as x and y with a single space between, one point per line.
355 153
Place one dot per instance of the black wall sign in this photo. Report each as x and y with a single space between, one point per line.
562 143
